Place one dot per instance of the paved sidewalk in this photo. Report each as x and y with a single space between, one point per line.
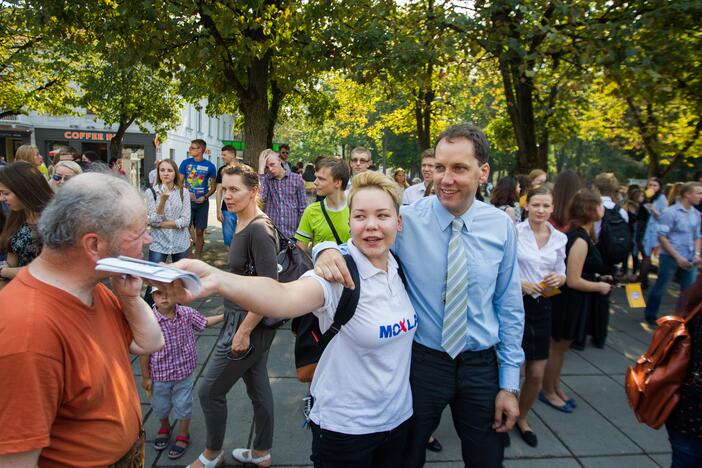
602 432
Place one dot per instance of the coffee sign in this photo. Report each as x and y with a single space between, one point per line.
89 136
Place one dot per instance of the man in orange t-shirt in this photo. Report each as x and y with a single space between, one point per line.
68 397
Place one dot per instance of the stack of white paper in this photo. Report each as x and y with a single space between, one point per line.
149 270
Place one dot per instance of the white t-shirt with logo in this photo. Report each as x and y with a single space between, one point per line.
361 384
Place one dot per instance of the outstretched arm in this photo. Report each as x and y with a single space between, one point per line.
264 296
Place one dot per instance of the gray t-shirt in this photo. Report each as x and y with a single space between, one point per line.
257 244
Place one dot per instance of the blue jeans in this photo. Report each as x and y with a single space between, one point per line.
228 226
173 398
687 451
667 269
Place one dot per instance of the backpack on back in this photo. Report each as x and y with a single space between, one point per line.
615 238
653 383
310 342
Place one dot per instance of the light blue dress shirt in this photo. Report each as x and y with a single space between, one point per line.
495 312
681 227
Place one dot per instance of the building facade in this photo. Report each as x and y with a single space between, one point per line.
86 133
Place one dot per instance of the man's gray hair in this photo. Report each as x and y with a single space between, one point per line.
94 202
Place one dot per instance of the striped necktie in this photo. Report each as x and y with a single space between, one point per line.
453 335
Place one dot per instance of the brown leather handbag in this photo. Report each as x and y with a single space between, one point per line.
653 382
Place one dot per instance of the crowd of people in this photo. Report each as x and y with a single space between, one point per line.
458 302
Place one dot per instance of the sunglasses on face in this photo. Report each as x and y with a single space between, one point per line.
59 178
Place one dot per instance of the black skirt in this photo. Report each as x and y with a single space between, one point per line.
537 328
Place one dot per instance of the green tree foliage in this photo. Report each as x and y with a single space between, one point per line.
35 67
647 94
136 94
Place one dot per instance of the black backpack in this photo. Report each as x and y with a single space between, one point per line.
615 237
310 342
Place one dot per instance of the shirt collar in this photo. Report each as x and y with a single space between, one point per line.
162 318
682 208
444 218
365 268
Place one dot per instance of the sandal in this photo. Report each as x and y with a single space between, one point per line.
207 463
248 459
163 436
177 451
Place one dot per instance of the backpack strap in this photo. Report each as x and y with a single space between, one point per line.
329 222
400 270
347 303
153 192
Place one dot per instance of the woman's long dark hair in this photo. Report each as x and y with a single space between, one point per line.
505 192
566 186
660 189
31 188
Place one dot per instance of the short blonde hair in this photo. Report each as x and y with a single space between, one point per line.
72 165
377 180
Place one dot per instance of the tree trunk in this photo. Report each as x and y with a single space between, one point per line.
254 106
519 90
422 115
118 138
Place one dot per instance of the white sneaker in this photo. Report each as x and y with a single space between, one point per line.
244 455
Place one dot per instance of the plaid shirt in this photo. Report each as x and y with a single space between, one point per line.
285 201
178 358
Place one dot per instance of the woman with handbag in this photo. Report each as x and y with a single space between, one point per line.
362 398
243 344
684 424
571 308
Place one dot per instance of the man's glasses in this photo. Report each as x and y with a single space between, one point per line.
59 178
239 356
360 161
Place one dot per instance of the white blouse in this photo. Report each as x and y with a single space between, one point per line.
536 263
177 208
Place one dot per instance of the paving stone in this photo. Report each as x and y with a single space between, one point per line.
549 445
632 461
586 432
542 463
608 359
292 444
239 423
609 398
204 345
629 347
663 459
281 358
575 364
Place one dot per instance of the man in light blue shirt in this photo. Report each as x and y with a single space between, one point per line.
471 363
679 236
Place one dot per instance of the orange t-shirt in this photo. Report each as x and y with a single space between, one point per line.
66 383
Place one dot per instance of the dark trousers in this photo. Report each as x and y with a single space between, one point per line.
377 450
687 451
469 384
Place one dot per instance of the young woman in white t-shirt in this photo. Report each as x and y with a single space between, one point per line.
362 397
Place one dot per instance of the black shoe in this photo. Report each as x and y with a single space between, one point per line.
434 445
528 436
651 321
507 441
